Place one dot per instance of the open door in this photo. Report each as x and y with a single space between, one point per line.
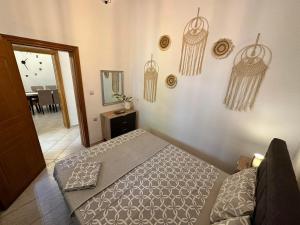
21 158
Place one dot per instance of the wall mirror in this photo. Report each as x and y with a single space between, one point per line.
112 83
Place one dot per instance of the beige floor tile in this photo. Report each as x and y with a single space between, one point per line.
48 161
30 193
19 203
24 215
47 145
67 153
62 144
52 154
38 222
39 200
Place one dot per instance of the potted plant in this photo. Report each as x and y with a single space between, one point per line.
126 99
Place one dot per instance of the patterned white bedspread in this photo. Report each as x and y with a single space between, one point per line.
169 188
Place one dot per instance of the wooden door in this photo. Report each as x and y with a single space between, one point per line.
21 158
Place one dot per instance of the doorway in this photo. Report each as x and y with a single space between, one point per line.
73 52
47 79
21 158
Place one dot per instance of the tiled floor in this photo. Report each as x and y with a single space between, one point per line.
42 202
56 141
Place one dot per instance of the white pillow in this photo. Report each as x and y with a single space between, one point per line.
236 197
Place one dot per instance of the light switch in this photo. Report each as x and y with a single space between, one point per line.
95 119
92 92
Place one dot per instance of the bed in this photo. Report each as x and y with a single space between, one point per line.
146 180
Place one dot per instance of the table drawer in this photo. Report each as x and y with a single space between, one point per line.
122 124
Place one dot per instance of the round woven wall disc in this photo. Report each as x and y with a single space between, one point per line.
171 81
222 48
164 42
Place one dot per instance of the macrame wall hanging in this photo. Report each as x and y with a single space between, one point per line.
248 72
151 70
193 45
115 82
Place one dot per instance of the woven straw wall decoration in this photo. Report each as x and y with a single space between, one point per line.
164 42
193 46
115 82
248 72
151 70
171 81
222 48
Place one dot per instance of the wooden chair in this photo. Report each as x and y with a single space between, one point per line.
35 102
45 99
55 99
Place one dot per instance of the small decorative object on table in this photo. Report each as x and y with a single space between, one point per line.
120 111
127 100
171 81
164 42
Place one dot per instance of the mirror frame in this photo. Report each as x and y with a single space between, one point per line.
102 88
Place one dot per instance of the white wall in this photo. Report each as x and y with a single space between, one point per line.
122 36
66 71
100 31
193 112
34 76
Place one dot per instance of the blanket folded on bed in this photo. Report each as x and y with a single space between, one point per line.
84 176
115 163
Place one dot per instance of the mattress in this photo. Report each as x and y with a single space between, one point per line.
158 183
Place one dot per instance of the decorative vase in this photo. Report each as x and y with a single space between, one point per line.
127 105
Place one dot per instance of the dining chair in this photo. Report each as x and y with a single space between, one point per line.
45 99
56 100
35 102
36 88
30 106
51 87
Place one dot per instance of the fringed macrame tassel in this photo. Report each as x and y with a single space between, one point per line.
242 91
193 46
150 86
247 76
192 56
150 80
